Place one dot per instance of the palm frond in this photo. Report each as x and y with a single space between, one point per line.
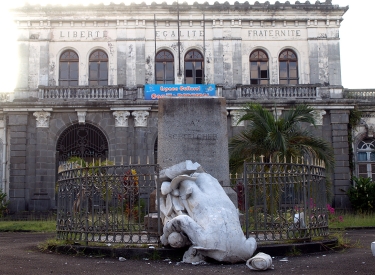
283 136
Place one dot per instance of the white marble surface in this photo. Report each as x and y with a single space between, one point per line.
196 212
260 261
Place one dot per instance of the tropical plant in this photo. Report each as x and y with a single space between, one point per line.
362 195
285 136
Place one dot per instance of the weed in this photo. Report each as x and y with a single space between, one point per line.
51 244
343 242
294 252
155 255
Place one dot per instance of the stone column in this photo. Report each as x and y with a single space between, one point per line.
42 192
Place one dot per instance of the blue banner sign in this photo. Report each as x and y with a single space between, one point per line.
154 92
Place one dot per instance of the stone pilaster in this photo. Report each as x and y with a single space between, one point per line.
18 189
341 174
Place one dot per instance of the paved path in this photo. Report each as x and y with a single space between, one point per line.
19 255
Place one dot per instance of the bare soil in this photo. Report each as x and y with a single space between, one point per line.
19 255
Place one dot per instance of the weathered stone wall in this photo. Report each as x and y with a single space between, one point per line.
33 160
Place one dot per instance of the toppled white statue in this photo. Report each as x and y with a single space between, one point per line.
196 212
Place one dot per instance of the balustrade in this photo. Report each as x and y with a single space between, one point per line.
364 94
280 91
86 92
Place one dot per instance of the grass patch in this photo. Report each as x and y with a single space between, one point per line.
27 226
353 220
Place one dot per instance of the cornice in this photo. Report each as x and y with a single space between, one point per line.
244 7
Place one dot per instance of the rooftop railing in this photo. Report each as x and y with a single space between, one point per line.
274 91
87 92
364 94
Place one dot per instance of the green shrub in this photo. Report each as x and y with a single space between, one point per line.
362 195
3 203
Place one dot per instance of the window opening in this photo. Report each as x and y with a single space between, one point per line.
68 68
259 68
288 67
194 67
164 67
98 68
366 158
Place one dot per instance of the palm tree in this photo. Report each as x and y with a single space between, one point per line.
284 136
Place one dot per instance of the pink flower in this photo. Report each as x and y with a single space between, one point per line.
330 209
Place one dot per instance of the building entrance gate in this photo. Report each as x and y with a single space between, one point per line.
84 141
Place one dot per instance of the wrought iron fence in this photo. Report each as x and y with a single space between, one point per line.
282 201
108 204
277 202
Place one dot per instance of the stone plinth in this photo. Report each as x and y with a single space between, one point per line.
194 129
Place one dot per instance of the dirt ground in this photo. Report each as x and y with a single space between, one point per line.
19 255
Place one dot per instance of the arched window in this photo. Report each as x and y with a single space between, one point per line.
164 67
288 64
68 68
194 67
366 158
98 68
259 68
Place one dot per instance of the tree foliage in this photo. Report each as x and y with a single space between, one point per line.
362 195
286 136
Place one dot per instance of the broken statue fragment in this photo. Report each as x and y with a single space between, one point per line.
197 213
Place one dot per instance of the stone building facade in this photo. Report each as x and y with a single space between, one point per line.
84 71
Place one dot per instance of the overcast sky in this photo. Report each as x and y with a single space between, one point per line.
356 34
